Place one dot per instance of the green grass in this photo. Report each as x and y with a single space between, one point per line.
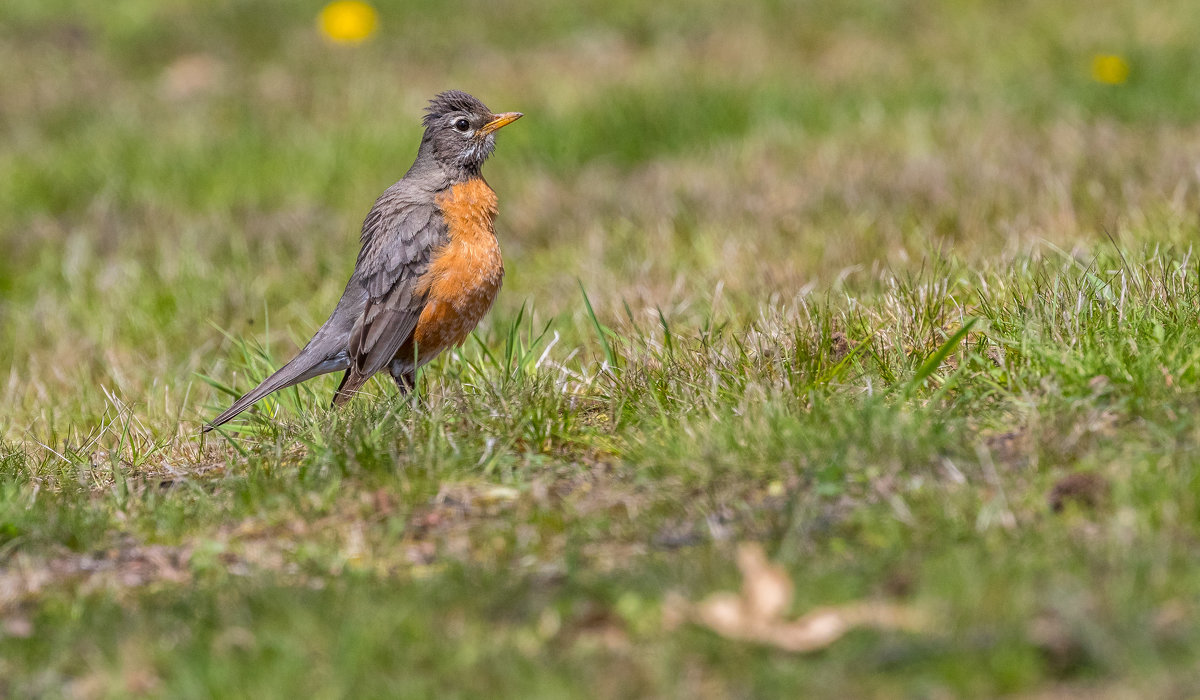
871 283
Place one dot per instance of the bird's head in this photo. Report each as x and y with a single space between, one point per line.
460 131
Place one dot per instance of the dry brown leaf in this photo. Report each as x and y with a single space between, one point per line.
756 613
766 588
813 631
724 614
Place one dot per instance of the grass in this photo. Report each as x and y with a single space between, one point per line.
912 306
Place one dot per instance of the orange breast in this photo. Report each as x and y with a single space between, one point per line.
465 274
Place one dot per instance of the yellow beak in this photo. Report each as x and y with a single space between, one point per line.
499 120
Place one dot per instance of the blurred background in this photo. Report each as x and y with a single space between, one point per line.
172 171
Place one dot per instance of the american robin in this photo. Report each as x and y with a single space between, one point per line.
429 267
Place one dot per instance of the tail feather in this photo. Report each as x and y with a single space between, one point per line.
351 382
314 360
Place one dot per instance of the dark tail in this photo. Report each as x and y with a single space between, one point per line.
351 383
314 360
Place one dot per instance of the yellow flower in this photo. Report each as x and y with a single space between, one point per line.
1109 69
348 21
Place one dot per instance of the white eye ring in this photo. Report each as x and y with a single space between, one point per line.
462 125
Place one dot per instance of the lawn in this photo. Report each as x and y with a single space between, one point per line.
904 293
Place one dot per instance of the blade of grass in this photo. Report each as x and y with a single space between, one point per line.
609 356
939 356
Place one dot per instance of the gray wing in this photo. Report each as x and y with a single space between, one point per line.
399 238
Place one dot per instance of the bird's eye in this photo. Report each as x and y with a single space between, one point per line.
462 125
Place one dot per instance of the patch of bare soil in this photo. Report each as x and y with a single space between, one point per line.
129 565
468 521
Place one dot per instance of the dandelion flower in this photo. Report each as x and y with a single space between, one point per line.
1109 69
348 21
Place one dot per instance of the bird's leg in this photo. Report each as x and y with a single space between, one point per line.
404 368
406 381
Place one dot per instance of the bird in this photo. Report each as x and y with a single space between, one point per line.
429 267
